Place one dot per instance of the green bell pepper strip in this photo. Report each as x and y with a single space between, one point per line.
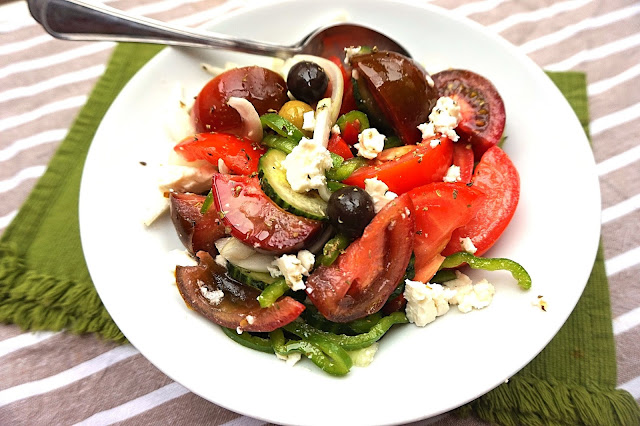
249 341
335 185
409 274
488 264
442 276
346 168
330 357
392 142
349 343
280 143
363 325
332 249
272 292
281 126
352 116
207 203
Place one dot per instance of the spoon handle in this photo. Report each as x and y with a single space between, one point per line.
77 20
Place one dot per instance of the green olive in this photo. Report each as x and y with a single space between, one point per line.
294 112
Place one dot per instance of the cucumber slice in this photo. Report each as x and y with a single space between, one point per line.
273 179
259 280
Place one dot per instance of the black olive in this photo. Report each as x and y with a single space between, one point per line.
307 81
350 210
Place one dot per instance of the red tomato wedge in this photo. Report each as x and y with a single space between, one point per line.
238 302
348 100
255 219
265 89
364 276
351 131
498 178
337 145
423 164
463 158
439 208
239 155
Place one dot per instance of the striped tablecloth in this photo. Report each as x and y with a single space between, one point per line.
57 378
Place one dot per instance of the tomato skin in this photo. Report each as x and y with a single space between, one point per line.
498 178
348 100
481 107
351 132
399 86
463 158
239 155
364 276
418 167
256 220
238 301
196 231
262 87
439 209
337 145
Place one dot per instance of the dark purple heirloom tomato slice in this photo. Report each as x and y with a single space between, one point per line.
394 91
196 231
481 107
238 306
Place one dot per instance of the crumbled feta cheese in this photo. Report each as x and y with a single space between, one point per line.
213 296
370 143
444 118
350 52
425 302
250 319
434 143
363 357
335 129
184 178
309 121
453 174
222 167
306 165
274 271
239 330
290 359
293 268
467 245
468 295
379 192
307 259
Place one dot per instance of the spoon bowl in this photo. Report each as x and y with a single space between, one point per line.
78 20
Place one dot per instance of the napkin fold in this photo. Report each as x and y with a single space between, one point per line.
45 284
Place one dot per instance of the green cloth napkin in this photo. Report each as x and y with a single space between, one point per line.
45 285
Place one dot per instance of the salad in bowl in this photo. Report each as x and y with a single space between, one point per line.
326 200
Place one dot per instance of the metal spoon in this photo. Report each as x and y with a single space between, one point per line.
77 20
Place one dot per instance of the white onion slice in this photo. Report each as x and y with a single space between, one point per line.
242 255
324 122
335 76
251 127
